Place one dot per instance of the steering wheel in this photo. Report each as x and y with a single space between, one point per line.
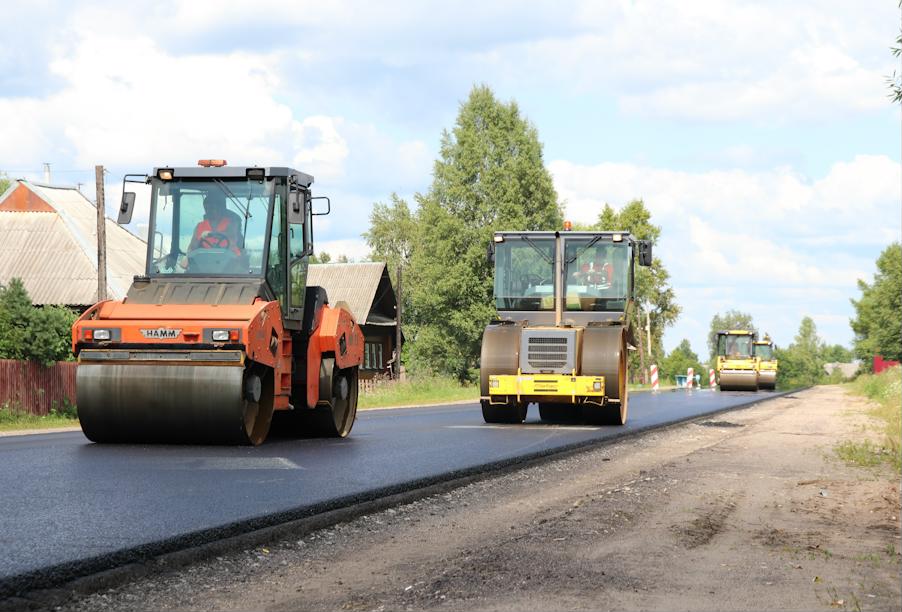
215 240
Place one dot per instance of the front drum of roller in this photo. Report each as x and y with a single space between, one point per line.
171 403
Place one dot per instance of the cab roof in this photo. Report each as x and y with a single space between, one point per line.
224 172
737 332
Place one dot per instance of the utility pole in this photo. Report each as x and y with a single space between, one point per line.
101 235
398 328
46 173
648 330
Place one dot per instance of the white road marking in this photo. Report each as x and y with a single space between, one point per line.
236 463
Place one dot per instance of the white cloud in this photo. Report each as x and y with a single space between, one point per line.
773 242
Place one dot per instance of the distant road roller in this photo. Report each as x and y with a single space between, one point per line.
767 363
737 367
564 300
222 332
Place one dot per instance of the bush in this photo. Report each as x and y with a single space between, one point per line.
31 333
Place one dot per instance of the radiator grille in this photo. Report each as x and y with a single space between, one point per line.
551 351
547 353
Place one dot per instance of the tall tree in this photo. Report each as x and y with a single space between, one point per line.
878 314
653 292
391 234
489 176
802 362
732 319
4 183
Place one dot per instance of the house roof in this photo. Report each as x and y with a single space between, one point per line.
357 284
50 242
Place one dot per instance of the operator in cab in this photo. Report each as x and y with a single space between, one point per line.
219 229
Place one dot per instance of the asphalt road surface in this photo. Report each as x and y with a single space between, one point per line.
68 506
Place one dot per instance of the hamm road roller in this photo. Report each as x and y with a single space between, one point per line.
222 332
564 300
767 363
737 367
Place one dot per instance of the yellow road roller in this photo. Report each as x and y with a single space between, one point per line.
561 338
737 367
767 363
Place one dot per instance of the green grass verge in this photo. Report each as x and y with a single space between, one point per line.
417 390
15 420
886 391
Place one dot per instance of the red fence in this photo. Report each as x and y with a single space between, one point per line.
32 387
881 364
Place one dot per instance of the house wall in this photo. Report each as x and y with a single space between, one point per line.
378 349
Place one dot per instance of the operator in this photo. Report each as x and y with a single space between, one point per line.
219 229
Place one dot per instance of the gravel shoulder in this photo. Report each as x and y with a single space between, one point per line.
745 510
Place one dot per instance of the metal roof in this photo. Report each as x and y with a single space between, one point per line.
55 253
353 283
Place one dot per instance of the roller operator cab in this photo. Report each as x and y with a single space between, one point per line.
564 301
767 363
222 332
737 367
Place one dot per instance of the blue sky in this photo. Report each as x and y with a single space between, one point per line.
759 134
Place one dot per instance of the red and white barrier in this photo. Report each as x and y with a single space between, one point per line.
690 379
654 377
711 380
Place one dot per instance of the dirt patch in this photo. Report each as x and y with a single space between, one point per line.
719 517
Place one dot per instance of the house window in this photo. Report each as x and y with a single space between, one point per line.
372 356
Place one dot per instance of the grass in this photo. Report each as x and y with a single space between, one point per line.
417 390
886 391
14 419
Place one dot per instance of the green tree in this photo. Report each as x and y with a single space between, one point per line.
895 81
679 360
878 314
15 320
837 353
322 258
391 234
802 362
51 334
489 176
4 183
653 292
36 334
732 319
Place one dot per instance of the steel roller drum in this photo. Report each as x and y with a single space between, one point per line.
738 380
767 379
176 403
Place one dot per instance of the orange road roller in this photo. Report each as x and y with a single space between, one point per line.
222 337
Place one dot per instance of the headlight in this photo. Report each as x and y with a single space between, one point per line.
493 382
220 335
101 334
596 386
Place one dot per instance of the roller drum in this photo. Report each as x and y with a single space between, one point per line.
170 403
767 379
738 380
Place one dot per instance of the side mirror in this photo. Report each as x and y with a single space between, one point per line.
126 208
490 253
328 206
645 253
296 203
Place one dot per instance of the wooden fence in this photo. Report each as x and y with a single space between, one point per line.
31 387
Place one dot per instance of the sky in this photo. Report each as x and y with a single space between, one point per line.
759 134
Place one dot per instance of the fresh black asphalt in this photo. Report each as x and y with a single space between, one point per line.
68 507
